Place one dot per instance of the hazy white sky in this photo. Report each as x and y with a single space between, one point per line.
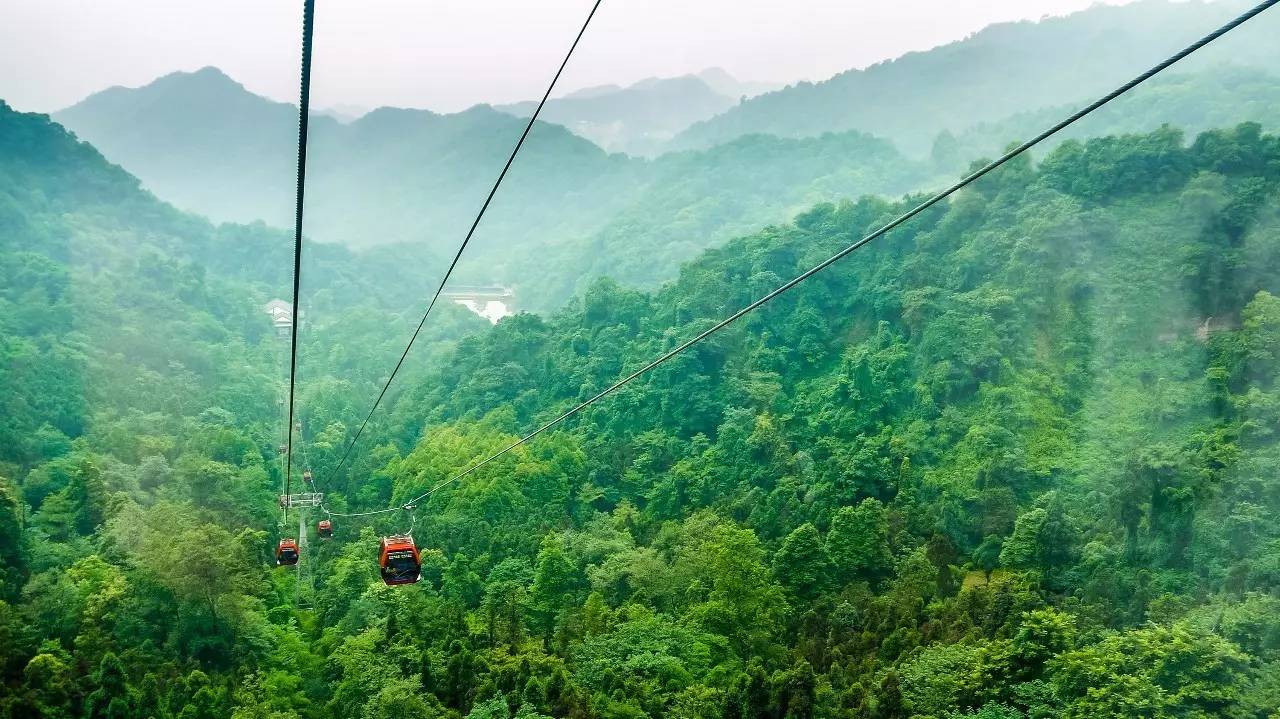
450 54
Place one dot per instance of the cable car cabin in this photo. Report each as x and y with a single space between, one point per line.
283 448
399 561
287 552
306 477
283 501
324 528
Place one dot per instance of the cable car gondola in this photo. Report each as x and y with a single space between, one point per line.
287 552
306 477
324 528
398 559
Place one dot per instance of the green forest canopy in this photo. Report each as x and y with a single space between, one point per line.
1018 459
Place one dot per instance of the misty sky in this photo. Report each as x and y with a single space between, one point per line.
450 54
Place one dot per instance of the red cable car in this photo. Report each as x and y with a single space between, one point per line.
324 528
287 552
399 561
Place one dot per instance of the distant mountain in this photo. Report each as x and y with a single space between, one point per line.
205 143
594 91
199 140
395 175
1000 71
343 112
721 81
1216 98
569 211
640 118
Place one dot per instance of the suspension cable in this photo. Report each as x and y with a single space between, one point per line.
304 108
884 229
465 241
306 463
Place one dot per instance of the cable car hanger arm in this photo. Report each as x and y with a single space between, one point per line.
304 109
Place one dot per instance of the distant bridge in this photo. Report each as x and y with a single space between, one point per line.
492 302
479 293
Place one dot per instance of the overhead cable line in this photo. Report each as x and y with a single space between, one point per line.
465 241
304 107
886 228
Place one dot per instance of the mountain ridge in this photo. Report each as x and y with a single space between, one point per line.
998 71
406 175
569 210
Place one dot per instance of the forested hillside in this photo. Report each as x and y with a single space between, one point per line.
132 333
1017 459
1194 102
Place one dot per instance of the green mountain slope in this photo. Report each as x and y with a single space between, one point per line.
1002 70
204 142
1224 96
1010 461
698 200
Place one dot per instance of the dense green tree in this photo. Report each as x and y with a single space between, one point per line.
110 698
13 563
50 688
801 563
1157 671
399 700
554 582
595 615
858 542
